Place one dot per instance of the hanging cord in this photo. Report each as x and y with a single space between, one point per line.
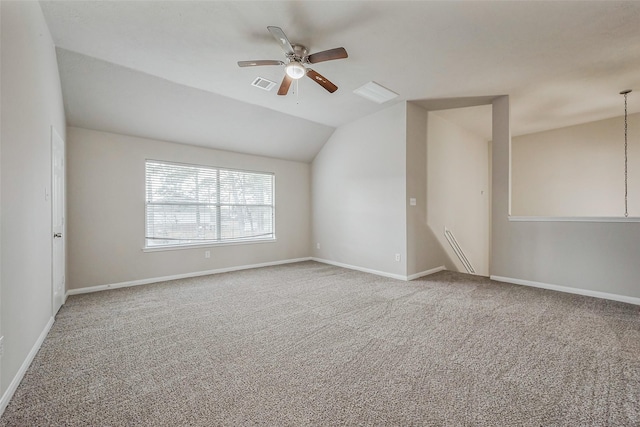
626 158
297 93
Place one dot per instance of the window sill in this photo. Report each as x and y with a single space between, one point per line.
206 245
573 219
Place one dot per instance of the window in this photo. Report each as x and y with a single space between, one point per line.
190 205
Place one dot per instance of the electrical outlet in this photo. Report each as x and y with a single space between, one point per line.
398 257
317 245
207 254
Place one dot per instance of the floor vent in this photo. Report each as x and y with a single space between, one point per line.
263 83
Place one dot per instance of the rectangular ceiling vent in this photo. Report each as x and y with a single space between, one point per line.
263 83
376 93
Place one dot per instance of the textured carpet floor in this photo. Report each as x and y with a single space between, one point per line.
312 344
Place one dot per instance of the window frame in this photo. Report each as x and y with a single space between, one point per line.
209 243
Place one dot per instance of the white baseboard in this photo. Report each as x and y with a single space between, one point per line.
8 394
179 276
567 289
378 272
426 272
363 269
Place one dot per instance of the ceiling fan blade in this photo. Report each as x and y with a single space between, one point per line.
327 55
321 80
259 62
284 87
282 39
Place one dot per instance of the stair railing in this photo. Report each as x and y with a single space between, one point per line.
458 250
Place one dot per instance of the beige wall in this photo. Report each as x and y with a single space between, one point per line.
359 193
601 257
106 204
31 104
424 251
458 190
576 171
362 181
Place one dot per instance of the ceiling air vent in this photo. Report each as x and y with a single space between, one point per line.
263 83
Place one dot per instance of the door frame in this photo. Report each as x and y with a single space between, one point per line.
56 138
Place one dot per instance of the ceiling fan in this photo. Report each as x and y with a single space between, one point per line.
297 56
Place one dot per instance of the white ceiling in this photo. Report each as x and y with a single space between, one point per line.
168 70
476 120
103 96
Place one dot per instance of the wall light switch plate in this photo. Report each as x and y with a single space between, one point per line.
1 346
412 201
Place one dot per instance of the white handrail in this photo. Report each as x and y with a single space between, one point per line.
458 250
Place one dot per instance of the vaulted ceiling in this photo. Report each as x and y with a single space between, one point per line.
168 70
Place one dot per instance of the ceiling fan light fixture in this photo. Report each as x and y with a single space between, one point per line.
295 70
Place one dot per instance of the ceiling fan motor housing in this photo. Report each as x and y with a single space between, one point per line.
299 53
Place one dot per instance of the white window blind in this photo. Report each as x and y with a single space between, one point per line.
190 204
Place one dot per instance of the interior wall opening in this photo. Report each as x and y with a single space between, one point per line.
459 184
577 171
